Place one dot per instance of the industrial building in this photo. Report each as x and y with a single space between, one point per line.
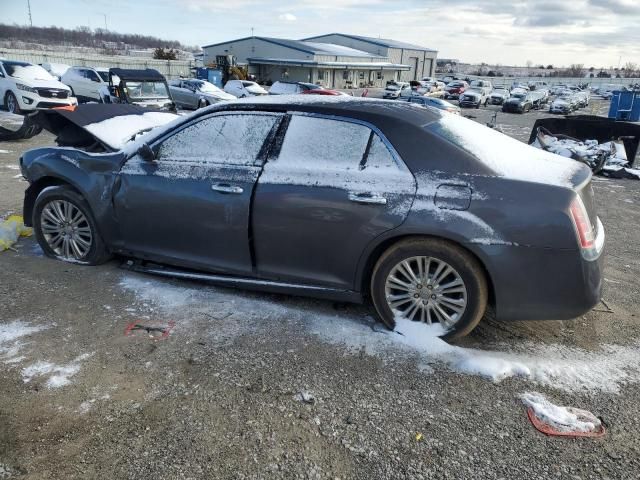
333 60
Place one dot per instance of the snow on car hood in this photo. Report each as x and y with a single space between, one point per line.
117 131
220 95
472 93
508 157
256 89
558 102
43 83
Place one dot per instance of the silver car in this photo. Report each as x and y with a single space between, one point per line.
193 93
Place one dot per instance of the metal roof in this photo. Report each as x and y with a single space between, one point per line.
382 42
312 48
329 64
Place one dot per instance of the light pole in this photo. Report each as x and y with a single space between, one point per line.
29 8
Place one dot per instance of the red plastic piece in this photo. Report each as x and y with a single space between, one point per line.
551 431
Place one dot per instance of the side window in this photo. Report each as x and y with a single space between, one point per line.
91 75
379 155
321 143
223 139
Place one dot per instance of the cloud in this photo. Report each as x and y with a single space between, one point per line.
287 17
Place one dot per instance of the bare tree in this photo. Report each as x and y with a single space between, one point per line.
630 70
576 70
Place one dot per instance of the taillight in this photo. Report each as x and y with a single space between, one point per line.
580 217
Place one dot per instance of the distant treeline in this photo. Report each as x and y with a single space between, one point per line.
83 37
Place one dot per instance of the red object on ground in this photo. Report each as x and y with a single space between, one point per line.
164 331
550 430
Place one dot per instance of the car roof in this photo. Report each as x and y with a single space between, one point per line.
129 74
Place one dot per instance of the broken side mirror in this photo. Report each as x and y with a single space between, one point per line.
147 153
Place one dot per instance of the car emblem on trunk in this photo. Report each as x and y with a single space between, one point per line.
54 94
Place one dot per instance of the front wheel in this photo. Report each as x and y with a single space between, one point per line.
430 281
202 103
65 228
11 103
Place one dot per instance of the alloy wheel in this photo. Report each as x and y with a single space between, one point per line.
66 229
426 289
11 103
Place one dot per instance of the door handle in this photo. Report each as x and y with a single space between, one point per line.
226 188
367 198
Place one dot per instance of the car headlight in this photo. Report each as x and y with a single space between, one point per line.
25 88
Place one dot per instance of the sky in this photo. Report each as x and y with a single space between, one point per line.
499 32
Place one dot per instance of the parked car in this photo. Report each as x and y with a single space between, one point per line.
86 82
539 97
56 69
25 88
439 211
485 85
473 97
434 102
146 88
193 93
291 88
498 96
395 89
557 89
244 88
564 103
518 103
453 90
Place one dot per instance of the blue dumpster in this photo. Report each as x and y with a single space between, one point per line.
625 105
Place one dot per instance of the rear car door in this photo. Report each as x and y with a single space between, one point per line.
191 206
332 187
93 84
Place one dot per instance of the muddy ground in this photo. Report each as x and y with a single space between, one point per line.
252 386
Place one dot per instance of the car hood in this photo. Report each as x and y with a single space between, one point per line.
219 95
559 103
471 93
42 83
256 89
110 125
514 101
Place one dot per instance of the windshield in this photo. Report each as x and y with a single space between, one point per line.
26 71
393 87
146 90
518 95
500 90
248 84
103 75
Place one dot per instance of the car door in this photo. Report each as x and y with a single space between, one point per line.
191 206
191 94
178 93
331 189
4 84
93 83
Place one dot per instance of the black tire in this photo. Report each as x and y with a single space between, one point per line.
465 265
10 98
97 252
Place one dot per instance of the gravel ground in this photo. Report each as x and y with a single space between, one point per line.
252 386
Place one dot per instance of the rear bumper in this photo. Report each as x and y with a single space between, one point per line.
542 284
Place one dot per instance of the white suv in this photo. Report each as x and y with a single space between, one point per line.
86 82
27 87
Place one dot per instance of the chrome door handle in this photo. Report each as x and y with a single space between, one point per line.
367 198
226 188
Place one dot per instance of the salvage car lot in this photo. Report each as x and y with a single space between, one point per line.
260 386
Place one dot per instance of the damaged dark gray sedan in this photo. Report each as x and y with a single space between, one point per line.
429 216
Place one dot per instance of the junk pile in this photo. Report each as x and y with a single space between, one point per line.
10 230
608 146
608 159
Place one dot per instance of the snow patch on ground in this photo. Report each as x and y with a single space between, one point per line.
4 151
558 366
10 335
563 419
59 375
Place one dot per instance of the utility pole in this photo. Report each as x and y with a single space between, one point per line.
29 7
105 21
252 31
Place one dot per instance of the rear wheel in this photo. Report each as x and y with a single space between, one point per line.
65 228
202 103
430 281
11 103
